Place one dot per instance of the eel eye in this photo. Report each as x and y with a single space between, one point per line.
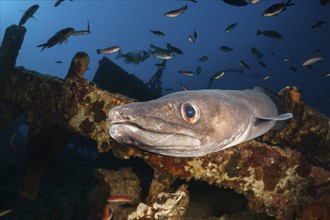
190 112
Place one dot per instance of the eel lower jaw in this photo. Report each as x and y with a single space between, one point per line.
161 143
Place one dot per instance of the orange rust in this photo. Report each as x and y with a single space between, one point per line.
169 165
295 96
131 152
318 211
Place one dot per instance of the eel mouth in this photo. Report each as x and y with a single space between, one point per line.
171 144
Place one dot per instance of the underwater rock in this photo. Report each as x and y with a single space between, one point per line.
113 78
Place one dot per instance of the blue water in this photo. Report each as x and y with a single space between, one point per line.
128 24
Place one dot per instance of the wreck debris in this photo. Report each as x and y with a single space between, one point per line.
171 206
119 194
276 180
308 131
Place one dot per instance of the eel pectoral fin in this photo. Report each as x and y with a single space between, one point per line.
280 120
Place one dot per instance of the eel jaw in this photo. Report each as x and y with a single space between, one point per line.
173 144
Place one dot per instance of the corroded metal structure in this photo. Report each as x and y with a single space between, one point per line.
284 173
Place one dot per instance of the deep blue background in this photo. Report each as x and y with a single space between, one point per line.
128 24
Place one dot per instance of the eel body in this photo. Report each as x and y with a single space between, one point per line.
195 123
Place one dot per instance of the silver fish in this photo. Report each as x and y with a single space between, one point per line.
191 39
252 2
268 76
312 60
176 12
108 50
161 53
28 14
186 73
195 123
184 87
83 32
135 57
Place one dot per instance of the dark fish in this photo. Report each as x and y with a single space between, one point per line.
230 27
173 49
194 1
28 14
58 2
186 73
244 64
236 2
203 59
108 50
255 52
176 12
225 48
58 61
262 64
324 2
272 53
277 8
83 32
269 33
318 24
318 51
198 70
160 65
255 76
233 70
157 33
168 89
293 69
195 35
58 38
